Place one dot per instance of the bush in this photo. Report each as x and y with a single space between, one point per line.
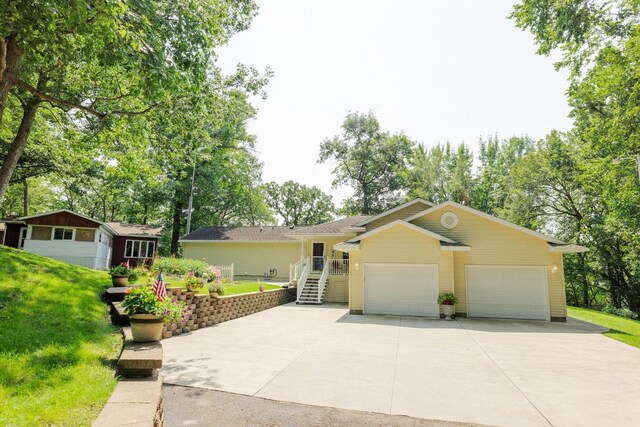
180 266
622 312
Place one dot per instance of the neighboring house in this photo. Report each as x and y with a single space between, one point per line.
81 240
398 262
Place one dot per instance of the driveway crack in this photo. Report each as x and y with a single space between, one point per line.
395 366
503 372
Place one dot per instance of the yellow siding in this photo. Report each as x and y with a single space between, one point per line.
328 245
496 244
399 214
336 290
252 259
399 245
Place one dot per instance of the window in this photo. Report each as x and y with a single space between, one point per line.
62 233
41 233
85 235
139 249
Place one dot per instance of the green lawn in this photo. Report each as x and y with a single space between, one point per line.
57 346
230 288
246 287
621 328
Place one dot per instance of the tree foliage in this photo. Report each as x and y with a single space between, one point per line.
298 204
369 160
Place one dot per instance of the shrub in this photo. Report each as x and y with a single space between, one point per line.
447 299
180 266
228 281
622 312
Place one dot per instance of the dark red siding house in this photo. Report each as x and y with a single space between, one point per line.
134 243
77 239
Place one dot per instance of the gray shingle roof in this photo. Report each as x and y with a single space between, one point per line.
332 227
135 229
266 233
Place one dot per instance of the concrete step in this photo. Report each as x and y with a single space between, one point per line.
139 359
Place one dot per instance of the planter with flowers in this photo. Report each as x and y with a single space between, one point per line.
216 290
120 274
193 283
148 314
447 301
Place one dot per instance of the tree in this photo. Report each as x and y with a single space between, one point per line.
298 204
370 161
104 58
441 173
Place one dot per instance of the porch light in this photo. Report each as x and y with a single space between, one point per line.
357 266
554 269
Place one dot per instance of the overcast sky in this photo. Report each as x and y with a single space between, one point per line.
438 70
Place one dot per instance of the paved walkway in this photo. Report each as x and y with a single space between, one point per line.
186 406
486 372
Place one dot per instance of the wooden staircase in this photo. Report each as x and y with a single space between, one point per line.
309 294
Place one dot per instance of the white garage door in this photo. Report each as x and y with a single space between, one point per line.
508 292
403 289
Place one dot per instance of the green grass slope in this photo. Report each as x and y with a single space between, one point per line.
56 343
620 328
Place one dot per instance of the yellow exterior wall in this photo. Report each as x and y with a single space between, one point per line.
399 245
337 289
253 259
399 214
496 244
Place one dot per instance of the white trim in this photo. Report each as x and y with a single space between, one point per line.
568 249
390 211
486 216
364 286
235 241
546 283
455 248
307 236
23 218
404 224
346 247
352 229
155 246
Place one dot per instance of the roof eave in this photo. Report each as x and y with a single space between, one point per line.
567 248
346 247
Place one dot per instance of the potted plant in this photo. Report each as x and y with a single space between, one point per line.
211 273
148 314
120 274
193 283
216 290
447 301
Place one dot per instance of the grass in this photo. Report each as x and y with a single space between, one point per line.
620 328
57 347
246 287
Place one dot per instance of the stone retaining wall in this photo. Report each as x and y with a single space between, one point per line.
207 310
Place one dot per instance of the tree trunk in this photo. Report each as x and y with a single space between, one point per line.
175 235
19 142
25 197
10 54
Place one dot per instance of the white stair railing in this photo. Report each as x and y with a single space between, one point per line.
302 280
295 270
323 281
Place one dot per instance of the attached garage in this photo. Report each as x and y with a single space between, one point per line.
512 292
401 289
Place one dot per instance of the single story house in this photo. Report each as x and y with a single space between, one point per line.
77 239
399 261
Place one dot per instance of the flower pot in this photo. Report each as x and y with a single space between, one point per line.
213 294
146 327
447 310
119 280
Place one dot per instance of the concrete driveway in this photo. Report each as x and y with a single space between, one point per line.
479 371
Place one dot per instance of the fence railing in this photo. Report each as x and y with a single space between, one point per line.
225 270
338 267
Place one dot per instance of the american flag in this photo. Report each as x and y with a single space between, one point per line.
159 289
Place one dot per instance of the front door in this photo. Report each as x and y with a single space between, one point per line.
317 259
23 237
